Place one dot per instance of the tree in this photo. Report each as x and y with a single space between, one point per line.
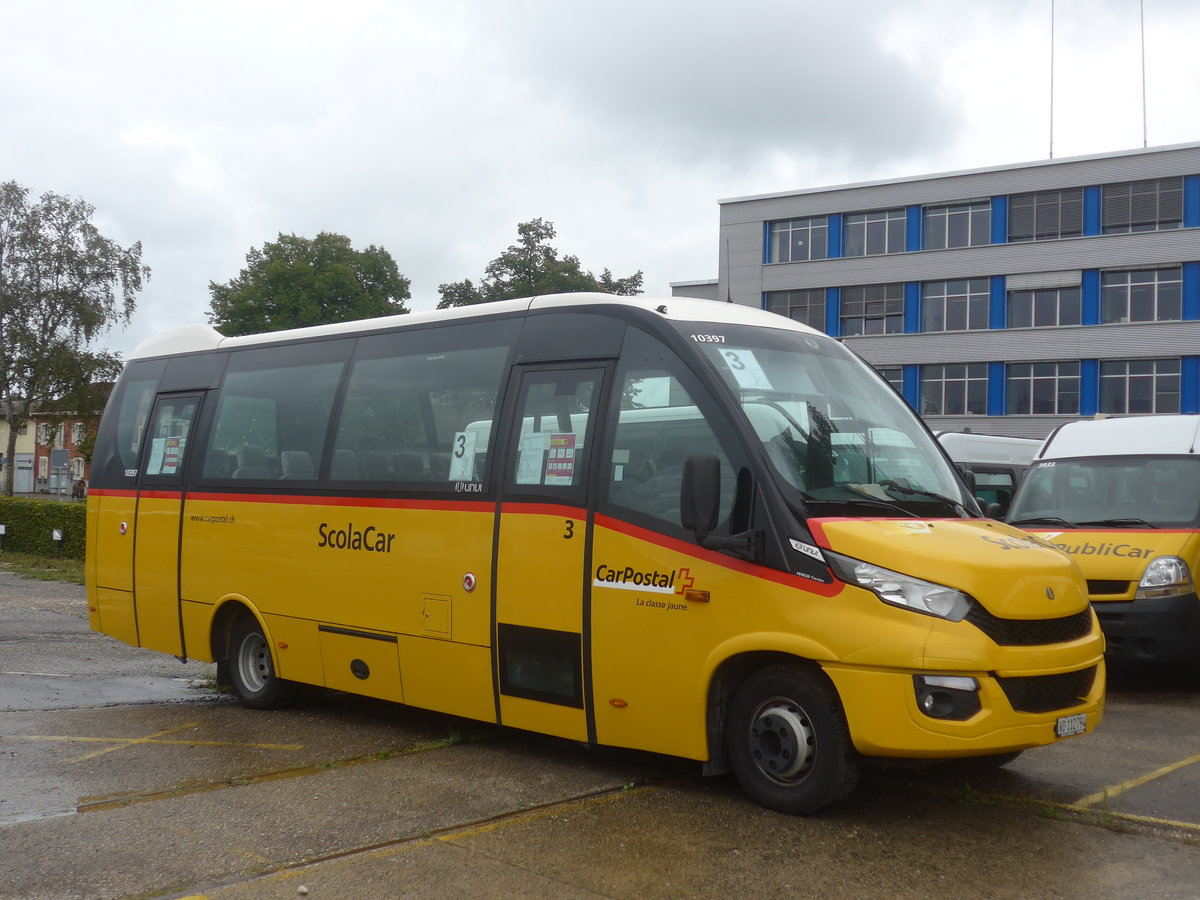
62 285
532 267
294 282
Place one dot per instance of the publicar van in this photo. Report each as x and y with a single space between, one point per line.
1122 497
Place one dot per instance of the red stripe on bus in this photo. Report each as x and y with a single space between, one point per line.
543 509
364 502
746 568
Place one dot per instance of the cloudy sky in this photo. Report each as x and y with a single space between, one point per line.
203 129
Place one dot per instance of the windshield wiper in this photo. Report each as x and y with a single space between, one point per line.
861 501
918 492
1127 522
1043 520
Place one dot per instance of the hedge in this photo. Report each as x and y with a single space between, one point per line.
29 524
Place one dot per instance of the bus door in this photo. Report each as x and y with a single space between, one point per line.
544 531
159 522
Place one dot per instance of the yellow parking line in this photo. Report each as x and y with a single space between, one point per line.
119 743
1118 789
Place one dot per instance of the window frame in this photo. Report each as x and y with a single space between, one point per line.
974 299
783 239
1046 214
973 374
978 217
1108 379
1124 206
1129 282
877 303
891 223
1035 376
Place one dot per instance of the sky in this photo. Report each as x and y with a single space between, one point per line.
431 129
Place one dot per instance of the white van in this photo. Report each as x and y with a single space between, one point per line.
997 462
1122 497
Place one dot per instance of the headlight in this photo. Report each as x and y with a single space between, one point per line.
902 590
1166 576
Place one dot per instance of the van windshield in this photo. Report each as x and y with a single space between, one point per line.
1111 491
831 428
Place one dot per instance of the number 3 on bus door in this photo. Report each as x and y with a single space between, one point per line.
541 580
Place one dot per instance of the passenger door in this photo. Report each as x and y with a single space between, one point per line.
543 534
159 520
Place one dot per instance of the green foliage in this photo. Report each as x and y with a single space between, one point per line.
62 285
30 522
532 267
296 282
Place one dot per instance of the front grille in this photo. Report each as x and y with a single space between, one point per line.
1028 632
1045 693
1105 588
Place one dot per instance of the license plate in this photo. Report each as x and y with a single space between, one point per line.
1068 726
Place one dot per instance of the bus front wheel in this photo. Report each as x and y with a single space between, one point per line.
252 670
788 742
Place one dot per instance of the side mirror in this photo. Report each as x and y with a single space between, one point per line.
700 494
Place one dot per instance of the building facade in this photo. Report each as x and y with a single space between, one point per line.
1005 300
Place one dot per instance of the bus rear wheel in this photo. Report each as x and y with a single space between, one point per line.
788 742
252 670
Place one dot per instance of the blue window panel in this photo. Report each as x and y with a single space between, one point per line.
836 238
766 245
1189 384
914 239
1191 201
996 312
762 303
833 312
912 385
1089 387
999 220
912 307
997 387
1091 210
1091 296
1191 291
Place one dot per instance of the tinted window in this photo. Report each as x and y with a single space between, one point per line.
419 406
273 413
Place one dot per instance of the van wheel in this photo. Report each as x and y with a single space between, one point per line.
788 742
252 671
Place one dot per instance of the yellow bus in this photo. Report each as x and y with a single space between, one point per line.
678 526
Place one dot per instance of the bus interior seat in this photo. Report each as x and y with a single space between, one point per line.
252 463
297 465
345 465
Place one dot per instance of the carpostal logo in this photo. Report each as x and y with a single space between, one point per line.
628 578
1087 548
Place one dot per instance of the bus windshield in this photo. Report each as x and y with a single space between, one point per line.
1111 492
830 427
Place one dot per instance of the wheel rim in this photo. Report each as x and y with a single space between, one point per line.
782 741
254 662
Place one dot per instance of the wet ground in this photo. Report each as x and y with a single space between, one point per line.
124 773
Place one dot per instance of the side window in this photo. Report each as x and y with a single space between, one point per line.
419 406
273 414
658 426
167 445
551 447
132 415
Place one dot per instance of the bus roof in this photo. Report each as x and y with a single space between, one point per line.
194 338
1132 436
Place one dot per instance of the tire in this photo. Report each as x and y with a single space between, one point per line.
788 742
252 670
